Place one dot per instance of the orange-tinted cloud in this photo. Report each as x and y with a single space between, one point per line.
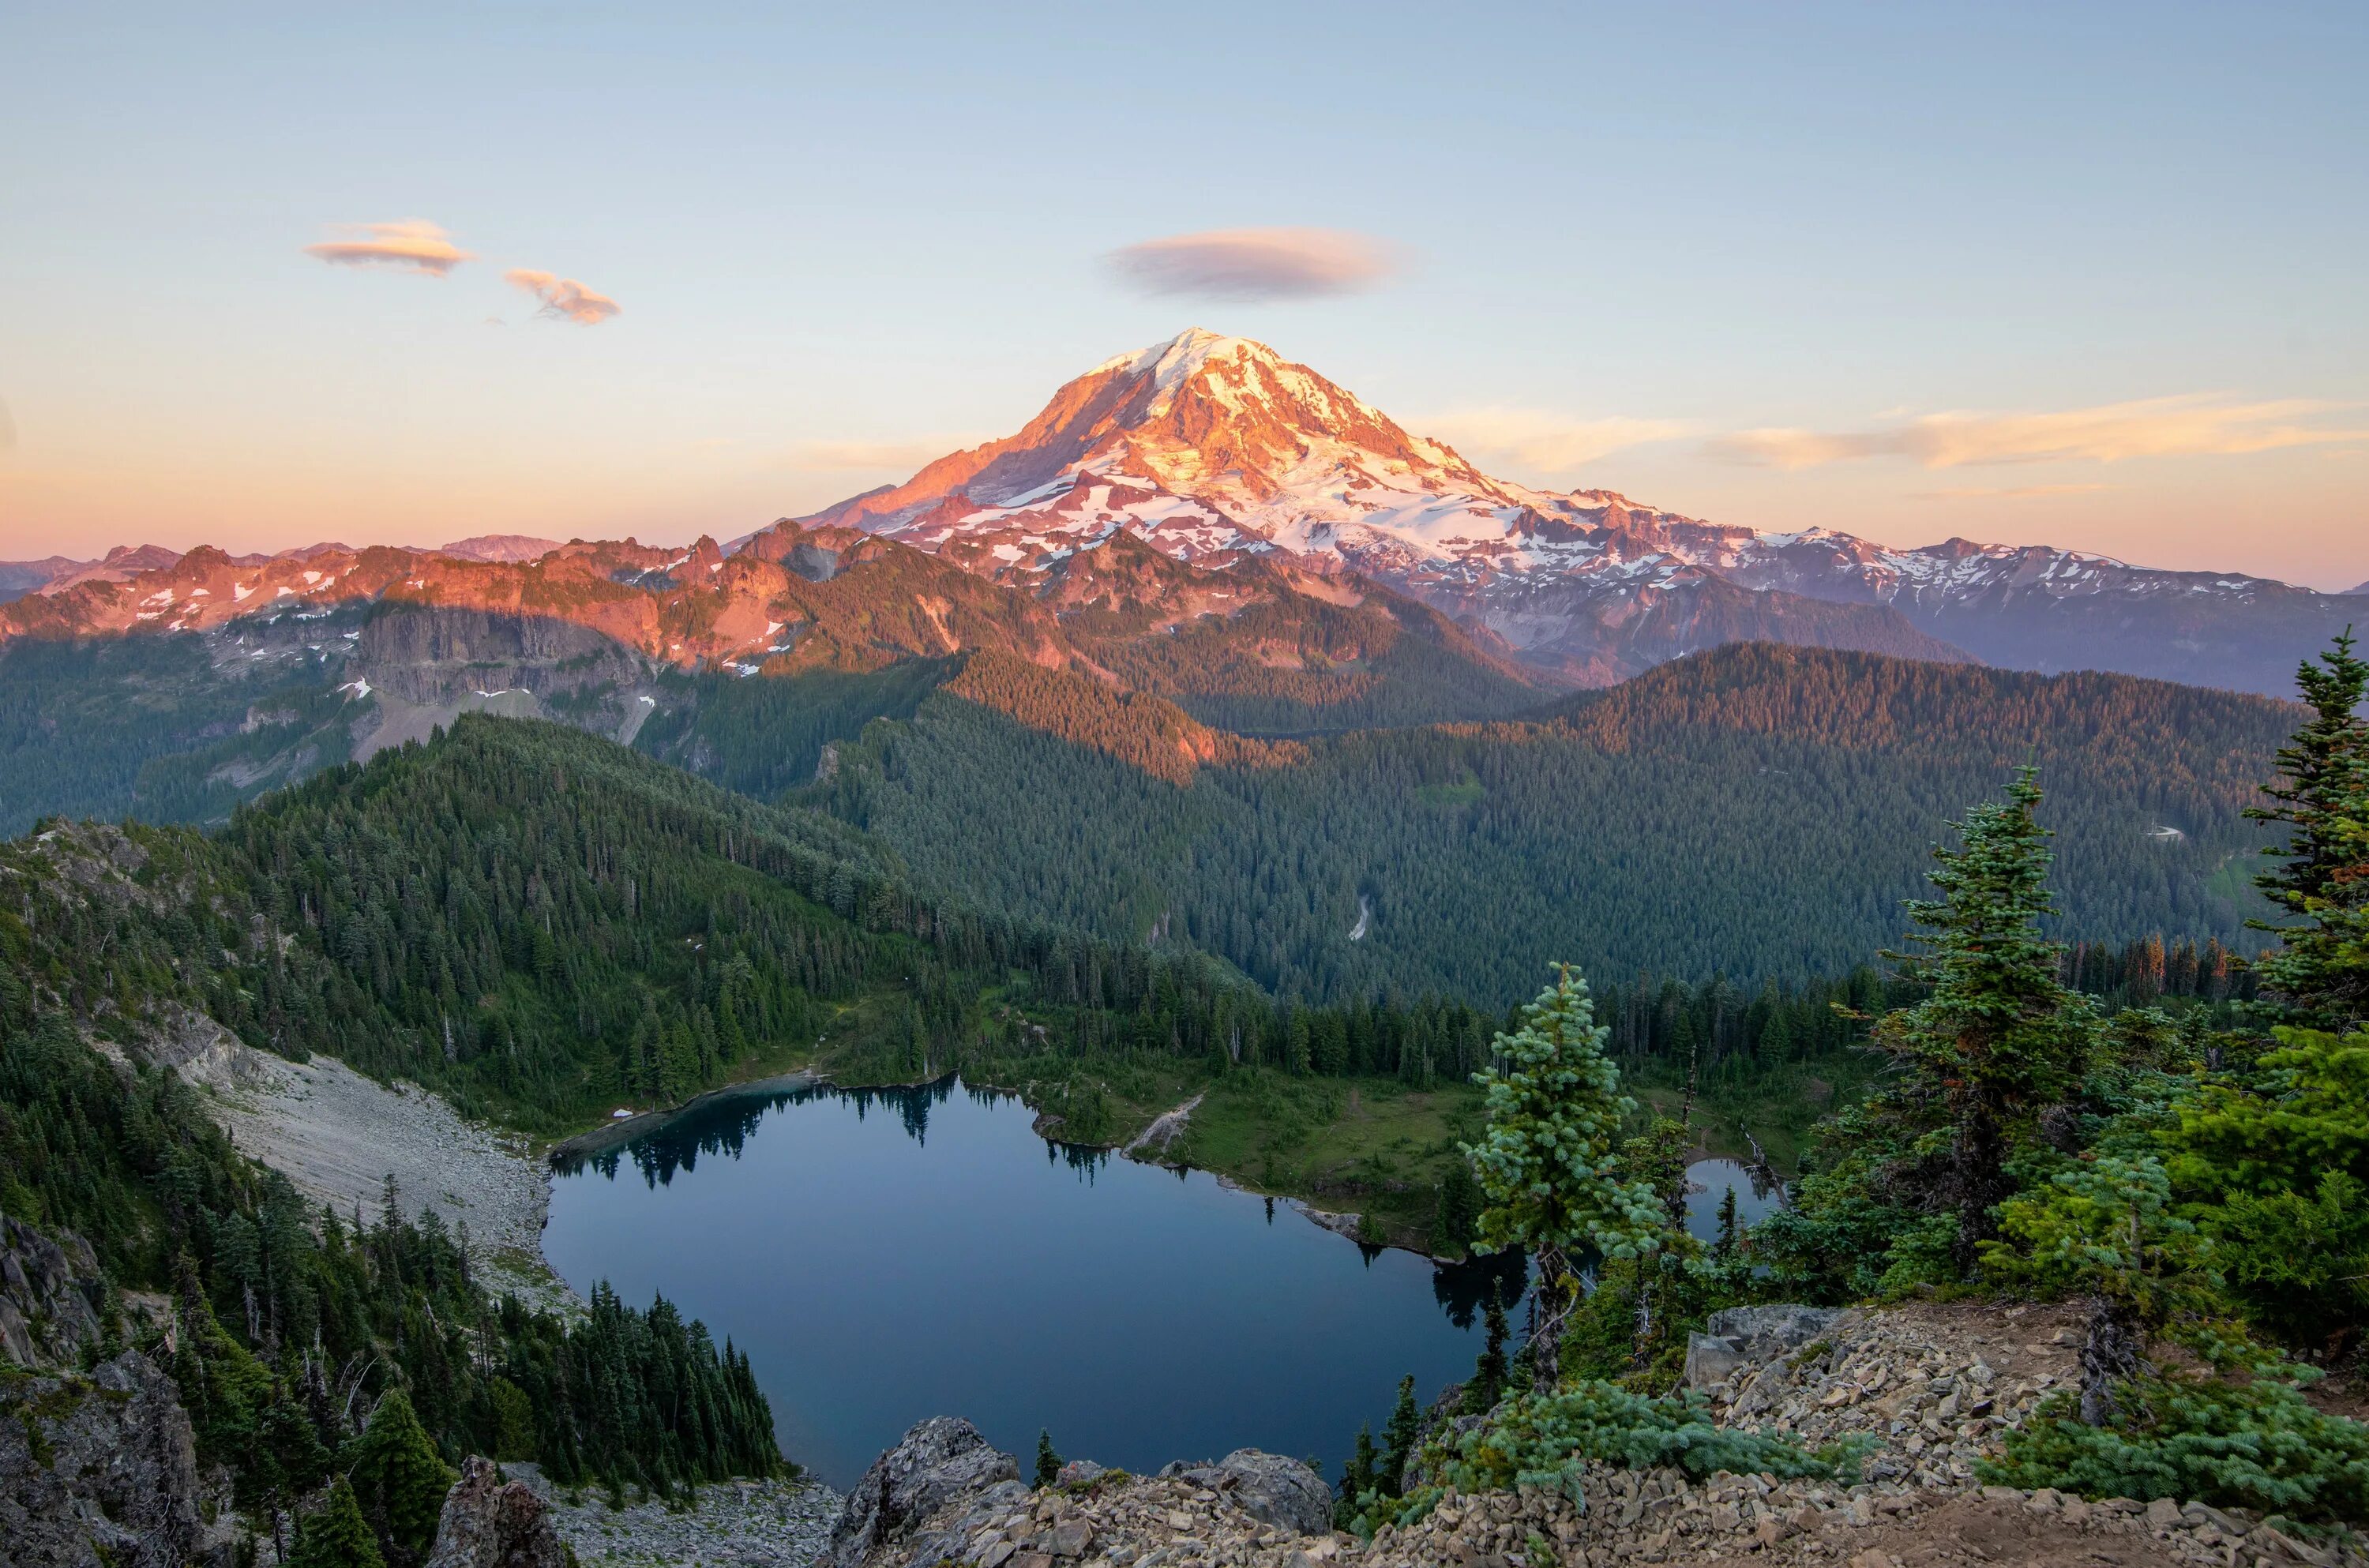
1543 442
1253 264
414 244
564 297
2188 425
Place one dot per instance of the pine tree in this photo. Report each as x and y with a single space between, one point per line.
1458 1211
1998 1035
400 1479
1400 1434
1490 1372
2319 974
1729 1232
1048 1463
1548 1165
335 1535
1360 1475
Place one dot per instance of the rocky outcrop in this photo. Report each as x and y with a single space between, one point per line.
48 1297
1741 1335
100 1469
943 1460
436 654
489 1523
1277 1491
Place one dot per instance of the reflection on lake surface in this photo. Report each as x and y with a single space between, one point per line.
1758 1192
886 1255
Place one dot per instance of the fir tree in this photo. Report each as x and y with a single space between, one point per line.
1459 1211
1048 1463
2319 975
1729 1232
1548 1165
1360 1475
1490 1373
1400 1434
1998 1035
335 1535
400 1479
2104 1231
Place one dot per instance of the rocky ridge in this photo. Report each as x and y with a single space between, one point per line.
1928 1388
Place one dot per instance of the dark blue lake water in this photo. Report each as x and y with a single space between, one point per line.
886 1255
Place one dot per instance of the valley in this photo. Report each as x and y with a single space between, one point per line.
1086 897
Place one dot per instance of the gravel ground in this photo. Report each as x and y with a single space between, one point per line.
737 1524
338 1135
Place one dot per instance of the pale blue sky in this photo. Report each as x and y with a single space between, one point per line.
840 235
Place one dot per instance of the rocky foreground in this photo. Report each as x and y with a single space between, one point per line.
1932 1387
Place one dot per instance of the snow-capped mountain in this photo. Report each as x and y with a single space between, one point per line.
1213 449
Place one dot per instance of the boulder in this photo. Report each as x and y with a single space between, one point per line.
101 1469
1712 1360
1275 1490
943 1459
1744 1336
489 1523
1763 1334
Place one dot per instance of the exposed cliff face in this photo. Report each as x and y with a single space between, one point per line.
436 654
50 1296
100 1472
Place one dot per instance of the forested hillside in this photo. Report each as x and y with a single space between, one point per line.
1755 811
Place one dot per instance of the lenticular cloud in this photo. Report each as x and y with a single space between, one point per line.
414 245
1253 264
564 297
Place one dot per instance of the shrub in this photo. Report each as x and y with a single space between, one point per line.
1549 1440
2259 1445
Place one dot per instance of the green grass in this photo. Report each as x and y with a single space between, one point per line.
1369 1145
1779 1104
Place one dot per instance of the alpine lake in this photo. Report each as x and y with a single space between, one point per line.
885 1255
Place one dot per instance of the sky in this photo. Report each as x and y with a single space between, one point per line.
2088 276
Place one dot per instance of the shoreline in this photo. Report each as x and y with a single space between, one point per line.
604 1136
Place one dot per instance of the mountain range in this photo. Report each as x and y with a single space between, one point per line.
1265 482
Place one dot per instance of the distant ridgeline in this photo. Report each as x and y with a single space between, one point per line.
1755 811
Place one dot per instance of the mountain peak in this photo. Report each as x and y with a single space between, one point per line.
1175 361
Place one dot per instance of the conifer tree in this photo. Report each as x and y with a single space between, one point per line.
1360 1475
1999 1036
1490 1372
1549 1165
1458 1211
1729 1232
2319 974
400 1479
1048 1463
1400 1434
335 1535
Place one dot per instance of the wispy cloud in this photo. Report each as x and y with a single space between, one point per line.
1241 265
2188 425
2011 492
563 298
1543 442
414 245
